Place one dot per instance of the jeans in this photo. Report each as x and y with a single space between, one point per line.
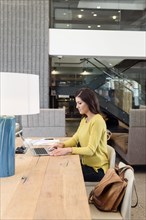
91 175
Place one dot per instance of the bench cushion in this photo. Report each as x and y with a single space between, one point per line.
121 141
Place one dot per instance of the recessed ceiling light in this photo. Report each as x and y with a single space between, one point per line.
79 16
98 25
85 73
114 17
82 10
94 15
54 71
89 26
98 7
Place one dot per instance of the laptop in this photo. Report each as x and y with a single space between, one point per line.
42 151
39 150
42 146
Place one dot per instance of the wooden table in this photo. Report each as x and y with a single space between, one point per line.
44 188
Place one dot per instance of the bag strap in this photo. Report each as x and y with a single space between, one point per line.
122 170
90 197
136 203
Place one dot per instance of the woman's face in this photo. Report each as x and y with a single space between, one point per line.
81 106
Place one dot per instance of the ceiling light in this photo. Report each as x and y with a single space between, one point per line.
89 26
99 26
54 71
114 17
80 16
94 15
64 13
82 10
85 72
98 7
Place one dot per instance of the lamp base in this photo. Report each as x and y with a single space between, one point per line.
7 146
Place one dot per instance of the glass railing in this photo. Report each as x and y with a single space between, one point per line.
98 15
118 93
119 86
137 73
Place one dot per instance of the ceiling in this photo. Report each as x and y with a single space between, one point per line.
71 61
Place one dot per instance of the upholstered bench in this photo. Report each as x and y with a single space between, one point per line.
48 123
131 146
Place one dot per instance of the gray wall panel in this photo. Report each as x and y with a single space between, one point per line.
24 40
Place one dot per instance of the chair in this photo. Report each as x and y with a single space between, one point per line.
111 156
17 127
112 159
125 209
126 204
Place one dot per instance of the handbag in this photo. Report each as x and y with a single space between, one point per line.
109 192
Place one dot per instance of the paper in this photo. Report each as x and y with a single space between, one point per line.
42 141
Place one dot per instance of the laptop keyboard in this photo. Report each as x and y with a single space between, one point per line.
40 151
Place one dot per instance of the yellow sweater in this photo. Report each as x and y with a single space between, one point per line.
92 137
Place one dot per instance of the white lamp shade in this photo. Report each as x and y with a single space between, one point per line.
19 93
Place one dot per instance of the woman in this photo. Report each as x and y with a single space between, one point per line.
90 139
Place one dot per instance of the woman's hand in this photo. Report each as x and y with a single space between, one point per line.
61 151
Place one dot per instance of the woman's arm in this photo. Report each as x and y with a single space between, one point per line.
65 147
61 151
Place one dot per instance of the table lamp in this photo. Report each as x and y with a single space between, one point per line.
19 95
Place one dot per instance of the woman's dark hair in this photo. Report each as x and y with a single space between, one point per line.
90 98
